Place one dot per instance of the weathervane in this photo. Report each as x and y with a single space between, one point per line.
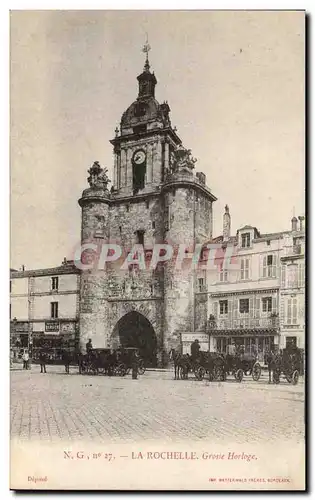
146 48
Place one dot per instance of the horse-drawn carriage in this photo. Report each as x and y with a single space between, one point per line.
241 364
110 361
215 365
288 363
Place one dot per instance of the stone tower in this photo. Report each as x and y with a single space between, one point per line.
155 199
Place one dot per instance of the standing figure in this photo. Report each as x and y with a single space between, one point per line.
134 365
66 360
194 350
89 346
42 361
25 359
268 361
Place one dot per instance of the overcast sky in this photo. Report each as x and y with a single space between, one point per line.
235 85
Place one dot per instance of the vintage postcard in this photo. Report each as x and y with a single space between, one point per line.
157 290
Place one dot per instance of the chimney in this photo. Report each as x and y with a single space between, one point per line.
294 223
301 219
23 268
226 224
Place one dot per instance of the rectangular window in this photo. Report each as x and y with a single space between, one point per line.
268 242
201 284
267 304
244 306
54 283
224 308
223 274
244 269
245 240
54 310
292 311
269 266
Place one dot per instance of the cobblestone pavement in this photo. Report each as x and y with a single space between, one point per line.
57 406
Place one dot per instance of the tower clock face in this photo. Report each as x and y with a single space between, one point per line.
139 157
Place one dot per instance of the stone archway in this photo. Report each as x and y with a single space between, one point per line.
135 330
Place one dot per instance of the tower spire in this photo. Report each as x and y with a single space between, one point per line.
146 48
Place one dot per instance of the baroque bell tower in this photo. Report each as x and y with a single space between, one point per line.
155 198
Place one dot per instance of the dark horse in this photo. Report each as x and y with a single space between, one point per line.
180 362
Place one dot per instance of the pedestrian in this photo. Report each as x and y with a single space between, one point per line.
66 360
134 365
25 359
89 346
194 349
42 361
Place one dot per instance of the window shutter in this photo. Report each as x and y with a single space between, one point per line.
247 268
264 266
289 311
215 309
242 269
274 304
235 311
257 307
230 309
294 312
251 306
283 275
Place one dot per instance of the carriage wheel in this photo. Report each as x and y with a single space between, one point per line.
121 370
200 373
256 372
295 377
239 374
289 378
102 371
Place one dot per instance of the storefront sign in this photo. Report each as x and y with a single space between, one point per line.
52 326
190 337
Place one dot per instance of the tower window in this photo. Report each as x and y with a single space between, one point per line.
140 236
147 203
138 174
153 224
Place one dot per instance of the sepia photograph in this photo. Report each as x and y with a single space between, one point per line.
157 253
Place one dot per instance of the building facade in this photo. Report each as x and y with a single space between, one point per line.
257 303
44 308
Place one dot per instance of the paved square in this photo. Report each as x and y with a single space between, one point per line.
56 406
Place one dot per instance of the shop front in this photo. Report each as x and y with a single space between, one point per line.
53 338
256 343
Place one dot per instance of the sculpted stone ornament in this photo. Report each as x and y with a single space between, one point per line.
98 177
182 161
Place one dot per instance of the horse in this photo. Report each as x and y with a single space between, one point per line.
179 361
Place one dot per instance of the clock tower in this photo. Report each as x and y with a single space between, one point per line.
155 198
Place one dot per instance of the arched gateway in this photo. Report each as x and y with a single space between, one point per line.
135 330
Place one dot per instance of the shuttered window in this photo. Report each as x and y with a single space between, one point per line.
292 311
245 269
269 266
301 278
223 274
